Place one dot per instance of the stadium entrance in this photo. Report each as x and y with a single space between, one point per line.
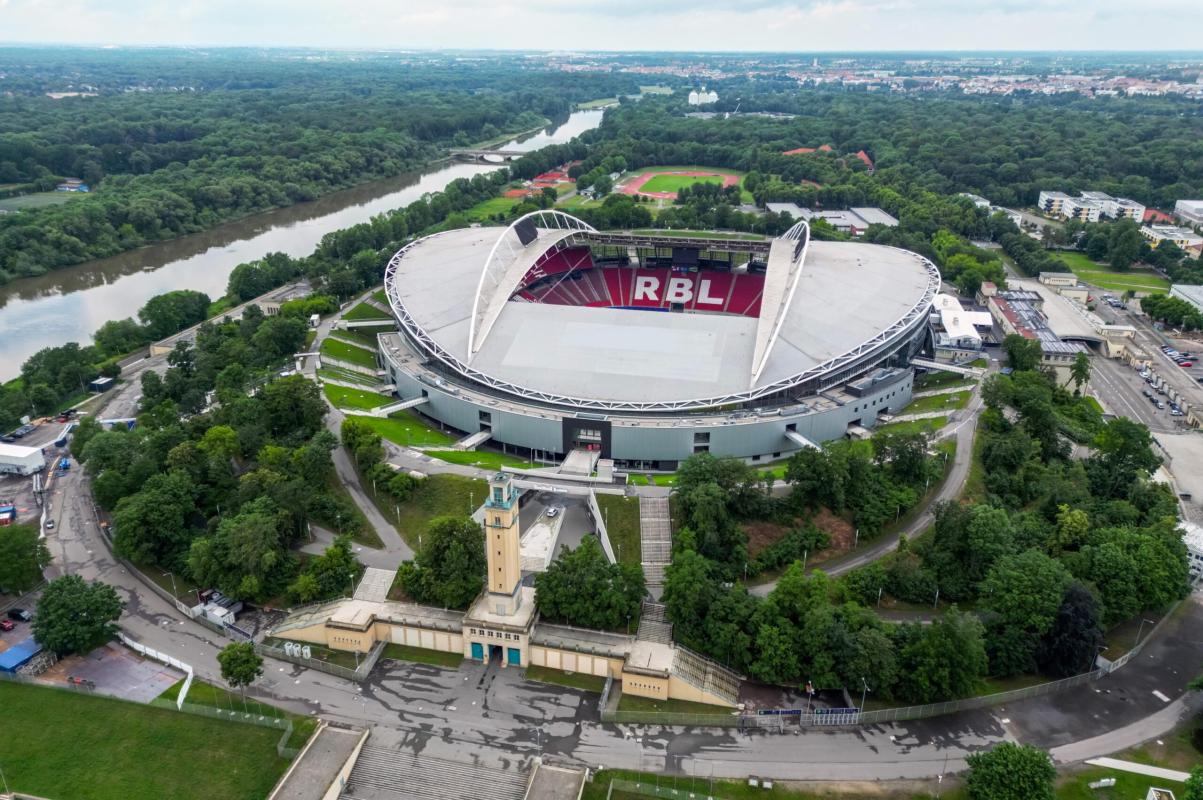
587 434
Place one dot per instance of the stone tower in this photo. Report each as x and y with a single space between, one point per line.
501 545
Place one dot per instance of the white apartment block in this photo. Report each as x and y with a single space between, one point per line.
1189 211
1090 206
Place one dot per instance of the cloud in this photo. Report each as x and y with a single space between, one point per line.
608 25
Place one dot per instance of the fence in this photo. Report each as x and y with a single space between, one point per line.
599 520
166 659
360 674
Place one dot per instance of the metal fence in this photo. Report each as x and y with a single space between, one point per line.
359 674
669 786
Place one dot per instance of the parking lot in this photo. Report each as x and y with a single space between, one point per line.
115 671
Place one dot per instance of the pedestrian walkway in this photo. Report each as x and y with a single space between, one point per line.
382 773
374 584
1140 769
653 624
655 531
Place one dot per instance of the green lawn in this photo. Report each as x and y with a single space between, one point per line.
655 89
345 397
59 745
340 374
437 496
629 702
941 380
938 402
401 652
621 515
705 787
344 351
573 680
643 479
913 426
675 183
360 337
380 296
1105 277
484 459
358 526
365 310
406 429
206 694
37 200
488 209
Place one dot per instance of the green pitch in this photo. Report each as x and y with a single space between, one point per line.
674 183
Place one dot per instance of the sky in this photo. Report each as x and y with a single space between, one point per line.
692 25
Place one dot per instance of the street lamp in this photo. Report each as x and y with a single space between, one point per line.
863 691
174 593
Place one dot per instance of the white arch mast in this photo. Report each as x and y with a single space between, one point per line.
509 260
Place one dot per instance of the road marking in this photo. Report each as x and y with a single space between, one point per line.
1160 696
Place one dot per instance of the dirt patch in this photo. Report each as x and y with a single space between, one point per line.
761 534
840 531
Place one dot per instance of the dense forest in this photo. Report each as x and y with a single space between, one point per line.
162 162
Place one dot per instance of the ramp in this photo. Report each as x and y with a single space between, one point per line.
580 462
474 441
374 584
801 440
384 411
926 363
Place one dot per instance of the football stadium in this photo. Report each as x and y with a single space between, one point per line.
550 338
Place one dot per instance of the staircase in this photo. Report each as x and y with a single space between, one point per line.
384 774
654 625
705 674
655 541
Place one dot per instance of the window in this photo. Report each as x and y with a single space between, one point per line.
486 416
701 437
701 448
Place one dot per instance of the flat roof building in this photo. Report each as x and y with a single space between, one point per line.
1191 293
1185 238
1189 211
17 460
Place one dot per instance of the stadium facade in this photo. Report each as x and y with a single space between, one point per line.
550 336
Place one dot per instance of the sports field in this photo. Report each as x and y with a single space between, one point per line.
663 183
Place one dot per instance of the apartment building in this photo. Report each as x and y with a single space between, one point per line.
1186 239
1189 211
1090 206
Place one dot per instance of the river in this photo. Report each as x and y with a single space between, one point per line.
67 305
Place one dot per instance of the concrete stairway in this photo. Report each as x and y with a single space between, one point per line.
385 774
473 441
655 540
654 625
706 674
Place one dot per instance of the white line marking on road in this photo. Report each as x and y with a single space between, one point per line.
1160 696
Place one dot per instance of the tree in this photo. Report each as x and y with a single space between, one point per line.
328 575
1125 241
240 665
582 588
943 660
449 569
1079 372
1072 644
1123 453
1026 590
74 616
1023 354
23 556
1011 771
1194 785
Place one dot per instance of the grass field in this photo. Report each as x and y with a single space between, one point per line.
675 183
401 652
345 397
37 200
644 479
380 296
360 337
573 680
438 496
206 694
345 351
360 529
1105 277
58 744
655 89
406 429
629 702
621 515
913 426
340 374
599 103
941 380
484 459
365 310
487 209
938 402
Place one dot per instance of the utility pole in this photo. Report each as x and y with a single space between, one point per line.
863 691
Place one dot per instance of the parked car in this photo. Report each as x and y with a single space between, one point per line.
49 524
553 512
6 625
1160 405
19 614
1186 364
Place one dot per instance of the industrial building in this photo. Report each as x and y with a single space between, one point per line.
853 220
17 460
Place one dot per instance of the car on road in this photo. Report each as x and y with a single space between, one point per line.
19 614
554 511
6 625
49 524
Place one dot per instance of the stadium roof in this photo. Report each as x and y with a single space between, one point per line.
824 306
